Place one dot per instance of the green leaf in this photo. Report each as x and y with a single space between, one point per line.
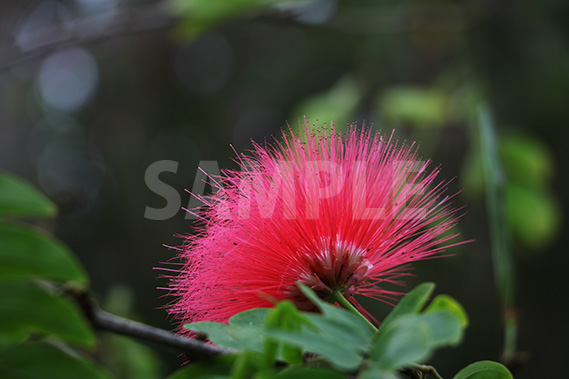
286 317
274 320
292 320
12 337
308 373
411 303
332 327
484 370
19 199
444 327
251 336
446 302
337 335
378 374
219 366
28 253
246 330
252 317
413 337
339 322
27 308
232 337
335 350
40 360
246 364
403 341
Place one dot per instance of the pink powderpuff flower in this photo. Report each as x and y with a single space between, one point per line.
337 213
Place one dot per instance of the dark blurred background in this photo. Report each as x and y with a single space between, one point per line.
94 91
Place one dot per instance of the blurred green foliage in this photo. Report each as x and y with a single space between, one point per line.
416 106
28 308
532 209
45 360
198 16
32 308
20 199
28 253
337 105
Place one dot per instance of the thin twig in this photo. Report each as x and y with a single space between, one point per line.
134 20
194 349
425 369
102 320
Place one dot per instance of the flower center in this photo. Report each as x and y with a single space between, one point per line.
340 268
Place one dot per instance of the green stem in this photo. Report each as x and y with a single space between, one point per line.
340 299
510 329
502 254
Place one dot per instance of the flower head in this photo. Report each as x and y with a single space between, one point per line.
336 212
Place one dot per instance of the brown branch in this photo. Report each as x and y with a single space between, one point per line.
102 320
